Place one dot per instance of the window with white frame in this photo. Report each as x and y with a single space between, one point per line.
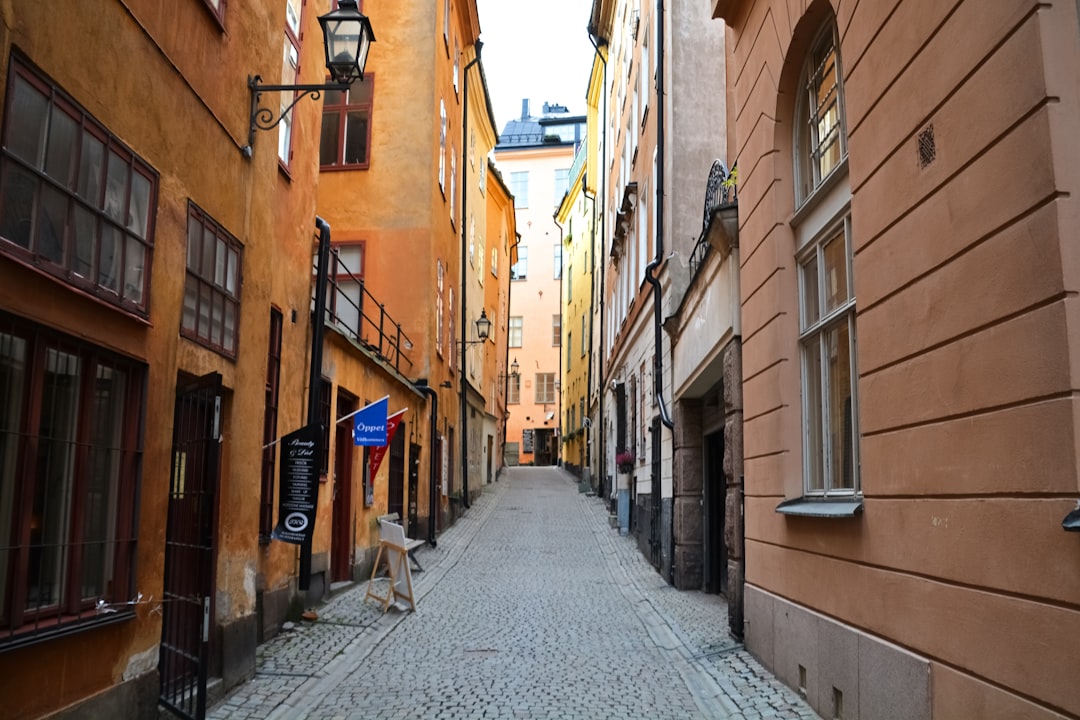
556 330
519 187
513 389
820 135
453 182
520 269
562 184
827 325
557 261
545 388
514 332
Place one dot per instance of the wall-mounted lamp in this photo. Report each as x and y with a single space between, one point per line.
514 367
347 37
483 330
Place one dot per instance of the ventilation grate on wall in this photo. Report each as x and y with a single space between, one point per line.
927 146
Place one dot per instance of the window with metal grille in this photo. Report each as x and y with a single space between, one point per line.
821 142
212 291
70 457
75 203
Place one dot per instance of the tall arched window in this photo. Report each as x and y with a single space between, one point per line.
826 292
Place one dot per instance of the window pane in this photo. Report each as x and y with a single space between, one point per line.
191 302
231 277
209 246
51 514
351 259
138 212
85 231
62 134
27 116
90 163
834 256
230 327
19 187
52 220
217 320
101 499
12 387
116 188
814 460
109 267
810 300
194 244
135 259
206 300
328 140
837 348
220 258
356 137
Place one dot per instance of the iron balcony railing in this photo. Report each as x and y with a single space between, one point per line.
719 193
356 313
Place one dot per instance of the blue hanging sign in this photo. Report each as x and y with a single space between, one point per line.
369 424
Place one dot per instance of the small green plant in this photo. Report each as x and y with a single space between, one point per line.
731 180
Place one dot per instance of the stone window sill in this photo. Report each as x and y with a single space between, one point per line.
821 507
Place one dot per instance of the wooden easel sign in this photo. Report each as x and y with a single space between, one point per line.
392 547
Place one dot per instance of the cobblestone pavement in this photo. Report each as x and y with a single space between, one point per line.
531 606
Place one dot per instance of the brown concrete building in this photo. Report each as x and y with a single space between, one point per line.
908 185
147 263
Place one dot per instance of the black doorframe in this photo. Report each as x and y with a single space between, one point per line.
190 548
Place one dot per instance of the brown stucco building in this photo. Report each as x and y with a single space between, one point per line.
908 210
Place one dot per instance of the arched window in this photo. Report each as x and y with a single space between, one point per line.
824 256
821 140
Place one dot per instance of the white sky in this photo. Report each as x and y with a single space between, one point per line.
535 50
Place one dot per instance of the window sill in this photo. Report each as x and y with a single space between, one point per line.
821 507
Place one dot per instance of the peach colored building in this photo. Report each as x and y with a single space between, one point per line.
534 155
908 195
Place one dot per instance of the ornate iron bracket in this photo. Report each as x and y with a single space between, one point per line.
262 118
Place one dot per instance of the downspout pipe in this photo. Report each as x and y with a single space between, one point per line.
318 320
601 432
433 478
465 274
651 268
562 334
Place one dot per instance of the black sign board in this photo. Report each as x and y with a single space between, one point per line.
298 496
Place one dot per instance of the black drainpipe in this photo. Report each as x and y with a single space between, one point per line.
433 497
603 268
650 269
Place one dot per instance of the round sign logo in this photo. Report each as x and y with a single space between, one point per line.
296 522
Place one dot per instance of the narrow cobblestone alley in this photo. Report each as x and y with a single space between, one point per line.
531 606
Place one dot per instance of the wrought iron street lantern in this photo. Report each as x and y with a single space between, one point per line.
347 38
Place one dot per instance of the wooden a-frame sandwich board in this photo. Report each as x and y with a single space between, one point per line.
392 546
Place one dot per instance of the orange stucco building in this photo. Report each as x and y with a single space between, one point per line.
907 197
147 263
